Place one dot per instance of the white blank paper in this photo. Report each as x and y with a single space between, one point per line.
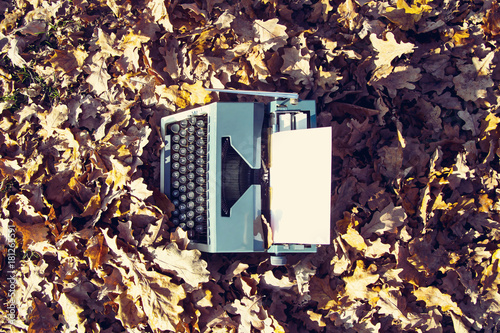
300 180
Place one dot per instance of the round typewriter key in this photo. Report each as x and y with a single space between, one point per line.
182 217
176 156
190 195
184 123
190 205
175 202
190 214
199 210
200 123
175 193
176 138
182 188
182 225
200 171
175 175
190 157
182 207
200 132
175 213
199 219
175 221
183 160
175 184
190 186
190 176
191 148
183 169
182 132
190 167
183 179
200 152
200 180
190 224
192 120
182 151
183 198
183 142
175 128
200 142
200 200
175 165
199 228
176 147
200 190
191 138
200 161
191 129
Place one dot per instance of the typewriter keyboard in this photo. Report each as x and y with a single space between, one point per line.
188 175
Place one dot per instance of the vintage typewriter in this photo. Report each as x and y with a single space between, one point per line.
249 177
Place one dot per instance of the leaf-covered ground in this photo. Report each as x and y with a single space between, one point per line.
410 90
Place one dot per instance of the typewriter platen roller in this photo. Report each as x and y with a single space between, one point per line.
215 169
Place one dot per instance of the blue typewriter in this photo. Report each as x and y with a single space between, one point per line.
249 177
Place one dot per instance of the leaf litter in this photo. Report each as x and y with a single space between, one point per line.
409 88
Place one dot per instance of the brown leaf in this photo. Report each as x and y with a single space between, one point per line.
388 220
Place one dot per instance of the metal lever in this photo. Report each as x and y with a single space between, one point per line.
276 95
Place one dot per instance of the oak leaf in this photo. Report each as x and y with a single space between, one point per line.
432 296
388 220
356 286
474 79
270 34
71 312
396 78
389 49
99 76
185 263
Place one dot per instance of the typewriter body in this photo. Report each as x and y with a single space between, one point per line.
217 168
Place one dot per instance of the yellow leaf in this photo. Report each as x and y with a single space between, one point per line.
118 175
357 285
432 296
460 36
354 239
197 93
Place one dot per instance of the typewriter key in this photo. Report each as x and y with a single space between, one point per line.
190 224
182 188
191 129
192 120
182 217
190 205
189 214
199 219
183 160
176 147
200 132
184 123
175 202
190 195
183 169
174 128
190 167
182 225
190 157
176 138
175 193
175 156
190 176
191 138
183 179
190 186
200 200
191 148
175 165
175 213
199 210
182 151
182 132
200 123
183 142
176 175
175 221
200 142
200 190
200 152
200 180
182 207
183 198
199 228
200 171
175 184
200 161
